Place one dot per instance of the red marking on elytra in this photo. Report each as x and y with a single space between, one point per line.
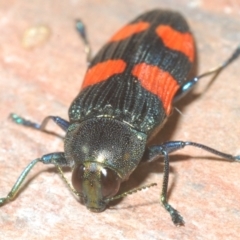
102 71
175 40
129 30
158 82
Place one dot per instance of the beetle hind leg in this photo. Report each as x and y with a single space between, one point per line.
189 85
81 29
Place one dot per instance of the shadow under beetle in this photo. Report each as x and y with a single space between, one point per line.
127 94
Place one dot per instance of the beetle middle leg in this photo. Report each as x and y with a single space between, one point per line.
63 124
164 150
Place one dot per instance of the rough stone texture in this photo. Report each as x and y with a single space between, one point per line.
43 80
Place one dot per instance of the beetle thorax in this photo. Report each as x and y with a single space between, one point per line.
106 141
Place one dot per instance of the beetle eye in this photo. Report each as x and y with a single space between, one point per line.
77 178
110 182
103 179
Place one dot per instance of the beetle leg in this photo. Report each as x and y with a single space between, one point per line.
163 150
82 32
56 158
189 85
63 124
172 146
152 153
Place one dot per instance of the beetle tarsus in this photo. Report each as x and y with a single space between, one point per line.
176 217
22 121
82 32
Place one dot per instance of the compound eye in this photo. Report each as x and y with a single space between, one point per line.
110 182
77 178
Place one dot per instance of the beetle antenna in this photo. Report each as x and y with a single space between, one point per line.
134 190
69 185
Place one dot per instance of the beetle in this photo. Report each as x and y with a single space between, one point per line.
127 95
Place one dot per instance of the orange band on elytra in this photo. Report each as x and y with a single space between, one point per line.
129 30
158 82
182 42
103 71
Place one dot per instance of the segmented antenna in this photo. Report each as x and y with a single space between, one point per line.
130 192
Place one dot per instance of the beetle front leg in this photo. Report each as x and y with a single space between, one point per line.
164 150
56 158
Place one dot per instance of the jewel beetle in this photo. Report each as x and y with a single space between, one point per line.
127 95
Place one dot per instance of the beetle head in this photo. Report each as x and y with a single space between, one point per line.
95 183
103 152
